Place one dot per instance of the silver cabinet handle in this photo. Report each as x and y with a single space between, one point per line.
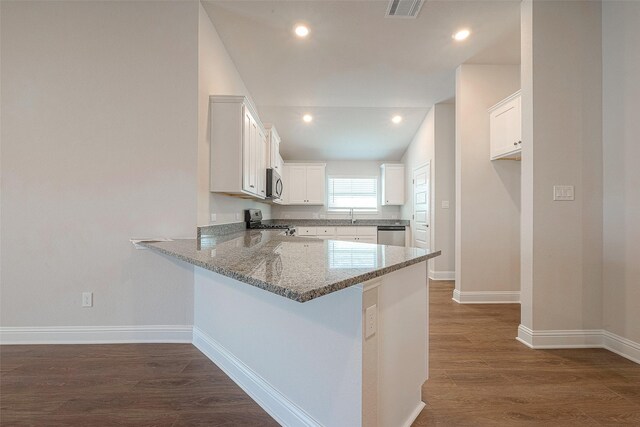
251 186
515 143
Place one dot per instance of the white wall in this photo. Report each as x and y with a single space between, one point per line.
487 192
435 142
621 103
98 146
217 75
562 145
348 167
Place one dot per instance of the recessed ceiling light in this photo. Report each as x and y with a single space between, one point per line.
302 30
461 35
396 119
307 118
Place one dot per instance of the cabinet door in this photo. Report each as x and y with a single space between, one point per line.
297 184
393 186
315 185
366 239
246 151
261 169
505 128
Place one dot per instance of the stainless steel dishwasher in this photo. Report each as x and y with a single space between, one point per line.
391 235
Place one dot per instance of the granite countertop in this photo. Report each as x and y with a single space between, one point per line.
337 222
298 268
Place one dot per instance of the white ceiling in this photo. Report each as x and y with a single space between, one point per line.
357 68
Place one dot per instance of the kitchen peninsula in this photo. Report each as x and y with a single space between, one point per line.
318 332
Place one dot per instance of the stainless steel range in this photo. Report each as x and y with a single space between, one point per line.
253 218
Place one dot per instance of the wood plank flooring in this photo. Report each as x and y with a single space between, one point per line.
125 384
480 376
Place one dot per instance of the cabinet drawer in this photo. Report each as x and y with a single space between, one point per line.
367 239
366 231
326 231
306 231
346 231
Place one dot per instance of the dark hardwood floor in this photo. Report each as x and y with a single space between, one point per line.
480 376
128 384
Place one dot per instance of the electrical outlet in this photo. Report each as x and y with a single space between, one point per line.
371 320
213 217
445 204
237 217
394 216
87 299
563 193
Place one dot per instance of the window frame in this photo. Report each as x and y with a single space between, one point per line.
358 210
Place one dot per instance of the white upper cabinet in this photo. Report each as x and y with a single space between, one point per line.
392 179
238 147
273 158
305 183
505 131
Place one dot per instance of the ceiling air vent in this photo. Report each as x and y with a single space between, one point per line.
404 8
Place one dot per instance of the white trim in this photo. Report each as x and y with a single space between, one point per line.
622 346
414 414
579 338
442 275
283 410
96 334
486 297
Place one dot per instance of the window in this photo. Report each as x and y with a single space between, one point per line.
359 193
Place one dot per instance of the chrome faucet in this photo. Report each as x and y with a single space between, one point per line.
353 220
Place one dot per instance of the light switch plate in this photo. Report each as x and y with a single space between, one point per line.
87 299
445 204
371 320
563 193
213 217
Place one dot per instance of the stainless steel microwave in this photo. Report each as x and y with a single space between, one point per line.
274 184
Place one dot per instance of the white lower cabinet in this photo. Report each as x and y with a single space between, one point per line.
345 233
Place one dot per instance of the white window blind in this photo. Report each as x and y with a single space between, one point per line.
350 192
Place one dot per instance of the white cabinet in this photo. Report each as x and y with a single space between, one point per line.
392 178
505 131
305 183
344 233
273 143
238 148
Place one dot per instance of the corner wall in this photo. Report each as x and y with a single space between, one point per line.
621 233
98 146
217 75
561 145
435 142
487 241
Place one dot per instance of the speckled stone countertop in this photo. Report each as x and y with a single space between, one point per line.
337 222
297 268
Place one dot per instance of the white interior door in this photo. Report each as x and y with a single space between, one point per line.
422 206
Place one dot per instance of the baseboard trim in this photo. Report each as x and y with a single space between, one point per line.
442 275
580 338
486 297
96 334
268 397
414 414
622 346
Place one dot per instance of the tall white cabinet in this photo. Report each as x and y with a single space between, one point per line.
305 183
505 128
238 147
392 183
